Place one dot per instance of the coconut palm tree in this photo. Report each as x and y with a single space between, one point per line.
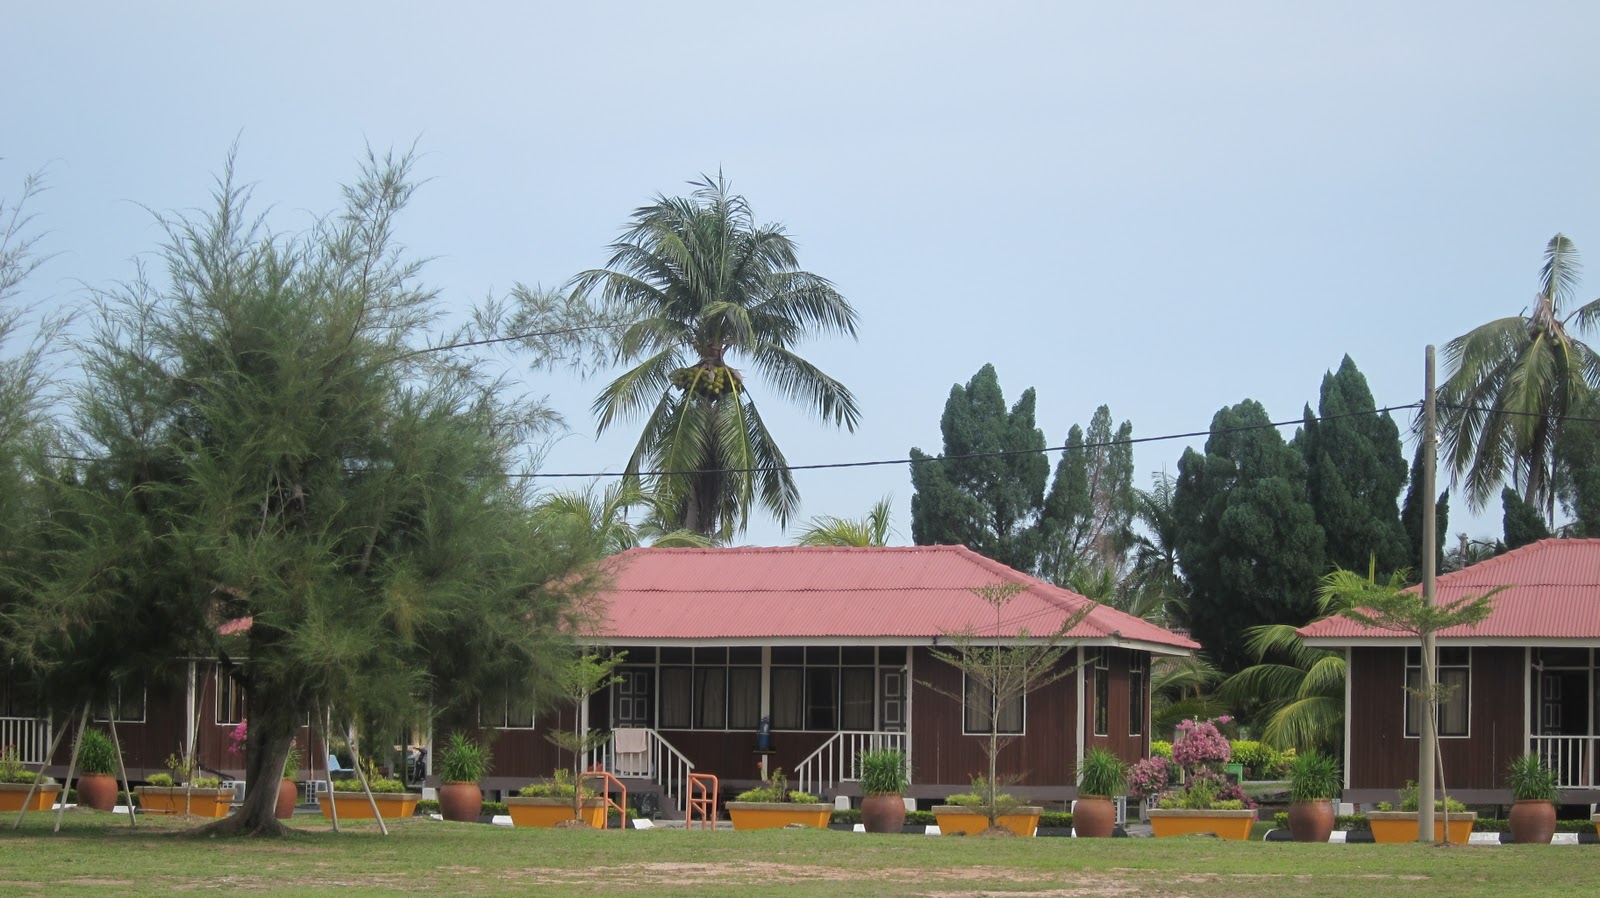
704 286
1154 589
603 519
872 530
1511 383
1297 690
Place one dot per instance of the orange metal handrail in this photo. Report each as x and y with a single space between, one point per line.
605 793
703 789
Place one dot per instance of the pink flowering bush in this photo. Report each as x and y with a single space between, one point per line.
1200 750
236 739
1151 777
1201 745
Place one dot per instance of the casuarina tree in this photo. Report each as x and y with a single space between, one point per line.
702 288
1086 524
267 443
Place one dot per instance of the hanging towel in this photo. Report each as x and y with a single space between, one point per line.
630 740
630 751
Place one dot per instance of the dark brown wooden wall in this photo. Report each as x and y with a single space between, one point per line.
941 755
1380 755
1128 747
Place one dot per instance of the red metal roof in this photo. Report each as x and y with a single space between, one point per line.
1554 594
911 593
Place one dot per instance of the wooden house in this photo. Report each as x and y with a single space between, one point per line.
1525 680
834 648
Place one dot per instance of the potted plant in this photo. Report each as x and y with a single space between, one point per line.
97 760
1314 780
390 795
970 813
883 789
201 796
1206 802
549 802
1533 794
1390 825
775 805
16 781
462 762
288 789
1101 776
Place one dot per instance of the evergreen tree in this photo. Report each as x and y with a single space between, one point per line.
1354 473
1086 525
990 504
1522 522
1248 538
1411 520
271 442
1578 472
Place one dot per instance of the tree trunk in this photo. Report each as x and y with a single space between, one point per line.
272 730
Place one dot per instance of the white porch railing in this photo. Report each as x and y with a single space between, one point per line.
839 759
1571 757
30 735
669 768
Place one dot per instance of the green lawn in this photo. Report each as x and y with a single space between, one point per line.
98 854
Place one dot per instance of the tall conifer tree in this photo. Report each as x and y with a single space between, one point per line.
1248 538
1354 473
991 503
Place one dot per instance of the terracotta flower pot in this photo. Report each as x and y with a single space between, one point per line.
1533 822
1094 817
98 791
1311 821
461 802
883 813
288 797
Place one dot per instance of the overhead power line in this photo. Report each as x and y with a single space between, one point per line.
997 454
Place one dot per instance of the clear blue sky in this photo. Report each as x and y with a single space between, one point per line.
1167 207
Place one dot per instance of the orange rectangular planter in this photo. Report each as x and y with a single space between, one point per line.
12 795
778 814
1394 827
170 800
354 805
1224 824
959 819
547 812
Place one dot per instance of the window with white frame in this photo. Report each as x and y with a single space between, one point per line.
709 688
979 709
126 704
1100 663
510 714
230 698
1136 693
1455 675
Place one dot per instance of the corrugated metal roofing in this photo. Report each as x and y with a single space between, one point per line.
1554 593
795 592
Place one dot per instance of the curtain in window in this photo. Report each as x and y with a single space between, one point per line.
979 702
712 693
788 698
1011 716
1453 711
676 698
822 698
856 713
744 698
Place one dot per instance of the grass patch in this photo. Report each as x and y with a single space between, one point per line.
99 854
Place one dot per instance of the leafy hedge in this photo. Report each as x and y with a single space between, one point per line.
926 818
1261 762
1358 822
428 806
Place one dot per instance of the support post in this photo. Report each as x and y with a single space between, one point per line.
72 766
1427 743
123 769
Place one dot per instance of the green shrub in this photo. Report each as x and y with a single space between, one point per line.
211 782
883 772
1530 780
426 806
1409 801
1102 773
12 770
160 780
1059 819
776 790
1160 748
381 784
463 760
96 754
495 808
557 786
1261 762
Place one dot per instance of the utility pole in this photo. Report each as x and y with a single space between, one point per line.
1425 751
